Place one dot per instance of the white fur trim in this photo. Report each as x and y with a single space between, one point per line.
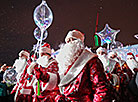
74 34
20 65
110 66
52 82
127 77
25 91
15 96
111 53
25 53
45 50
136 80
31 67
77 67
116 80
101 49
130 56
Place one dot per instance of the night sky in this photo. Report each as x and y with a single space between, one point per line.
17 24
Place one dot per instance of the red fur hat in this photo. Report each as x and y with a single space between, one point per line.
75 34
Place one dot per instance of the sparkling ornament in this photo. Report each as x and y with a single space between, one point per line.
37 34
107 35
116 44
43 16
10 76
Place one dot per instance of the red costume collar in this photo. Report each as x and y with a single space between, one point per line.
77 67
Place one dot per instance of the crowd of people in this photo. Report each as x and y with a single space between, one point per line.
74 74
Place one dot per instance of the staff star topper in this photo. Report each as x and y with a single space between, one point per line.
107 35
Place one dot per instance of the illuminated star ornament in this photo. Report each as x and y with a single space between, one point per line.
136 36
107 35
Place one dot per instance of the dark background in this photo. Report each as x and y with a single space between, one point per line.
17 24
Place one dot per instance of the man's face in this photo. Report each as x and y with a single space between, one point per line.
23 56
69 52
130 58
113 56
45 54
70 40
4 68
101 53
131 62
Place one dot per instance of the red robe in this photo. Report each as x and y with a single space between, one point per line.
48 77
124 74
127 71
85 81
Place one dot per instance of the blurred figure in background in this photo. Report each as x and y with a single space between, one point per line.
131 62
112 70
133 84
3 86
127 76
2 70
124 67
10 79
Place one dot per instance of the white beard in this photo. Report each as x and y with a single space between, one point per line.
68 54
43 61
104 59
121 62
116 59
20 64
137 59
132 64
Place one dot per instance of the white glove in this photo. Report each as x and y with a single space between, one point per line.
31 67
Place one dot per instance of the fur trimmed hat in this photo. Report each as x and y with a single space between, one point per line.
75 34
130 55
101 49
24 52
45 48
112 53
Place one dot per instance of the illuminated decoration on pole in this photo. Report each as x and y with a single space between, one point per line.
43 18
37 34
95 36
107 35
96 40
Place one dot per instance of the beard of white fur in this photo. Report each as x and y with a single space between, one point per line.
116 59
67 54
43 61
20 64
132 64
104 59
